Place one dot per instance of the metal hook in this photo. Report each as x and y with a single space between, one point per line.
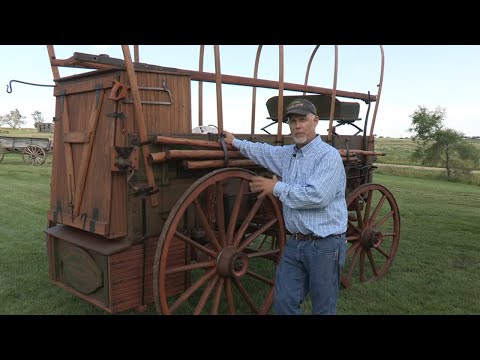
9 85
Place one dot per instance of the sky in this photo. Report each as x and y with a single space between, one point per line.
431 76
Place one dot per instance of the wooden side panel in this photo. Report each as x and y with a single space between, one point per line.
159 118
126 273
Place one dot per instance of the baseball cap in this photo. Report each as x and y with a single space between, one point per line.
301 107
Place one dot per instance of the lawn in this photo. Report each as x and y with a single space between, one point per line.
436 269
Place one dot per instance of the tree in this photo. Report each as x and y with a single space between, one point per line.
14 119
438 145
37 119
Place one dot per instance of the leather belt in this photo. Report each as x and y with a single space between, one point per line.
299 236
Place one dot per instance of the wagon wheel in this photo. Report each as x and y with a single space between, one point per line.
373 233
2 152
33 155
219 248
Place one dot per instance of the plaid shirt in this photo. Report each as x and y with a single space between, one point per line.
312 186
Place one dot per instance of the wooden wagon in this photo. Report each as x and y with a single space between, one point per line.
144 211
33 150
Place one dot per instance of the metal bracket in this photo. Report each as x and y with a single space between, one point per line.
58 211
94 219
115 115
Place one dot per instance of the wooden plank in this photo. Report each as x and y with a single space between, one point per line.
87 151
82 87
140 121
75 137
68 154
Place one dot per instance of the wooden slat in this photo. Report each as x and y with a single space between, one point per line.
68 154
82 87
75 137
87 151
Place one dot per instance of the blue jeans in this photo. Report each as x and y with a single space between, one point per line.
310 266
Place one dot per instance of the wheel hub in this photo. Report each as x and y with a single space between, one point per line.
232 263
371 238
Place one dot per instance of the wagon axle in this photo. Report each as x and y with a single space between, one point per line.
371 238
232 263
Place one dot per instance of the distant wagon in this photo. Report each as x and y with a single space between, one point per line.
143 210
33 150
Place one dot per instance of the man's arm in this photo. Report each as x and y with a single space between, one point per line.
266 155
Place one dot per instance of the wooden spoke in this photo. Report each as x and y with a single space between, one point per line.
205 225
263 253
377 209
235 211
246 222
353 238
359 216
362 265
260 244
261 278
245 295
220 214
256 233
382 220
353 248
192 289
195 244
354 261
372 261
216 297
229 296
382 252
205 295
183 268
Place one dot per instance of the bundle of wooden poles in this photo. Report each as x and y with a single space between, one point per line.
215 158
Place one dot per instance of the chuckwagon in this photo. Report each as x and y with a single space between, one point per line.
34 150
144 210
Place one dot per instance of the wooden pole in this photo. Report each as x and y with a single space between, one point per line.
51 55
206 164
190 142
140 120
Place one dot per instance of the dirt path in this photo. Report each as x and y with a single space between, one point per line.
418 167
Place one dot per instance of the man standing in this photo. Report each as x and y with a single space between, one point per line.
312 191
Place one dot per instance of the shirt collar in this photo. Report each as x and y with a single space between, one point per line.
307 148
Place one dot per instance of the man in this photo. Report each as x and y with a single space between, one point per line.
312 191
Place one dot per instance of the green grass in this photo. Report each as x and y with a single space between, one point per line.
437 266
24 133
398 151
436 269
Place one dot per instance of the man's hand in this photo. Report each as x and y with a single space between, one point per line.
228 137
263 185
